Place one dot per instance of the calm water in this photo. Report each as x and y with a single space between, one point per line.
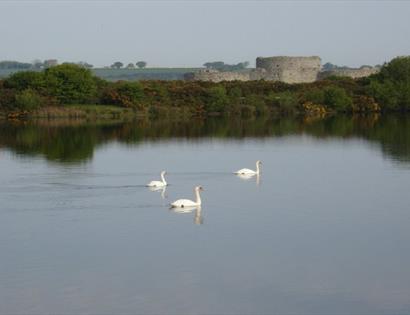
324 230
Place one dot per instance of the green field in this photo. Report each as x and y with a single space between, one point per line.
129 74
143 74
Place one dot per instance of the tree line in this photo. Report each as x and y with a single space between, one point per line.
389 90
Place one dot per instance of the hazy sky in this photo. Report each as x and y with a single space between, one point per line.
189 33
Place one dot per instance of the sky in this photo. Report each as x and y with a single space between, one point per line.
192 32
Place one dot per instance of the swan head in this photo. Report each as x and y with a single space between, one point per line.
258 162
199 188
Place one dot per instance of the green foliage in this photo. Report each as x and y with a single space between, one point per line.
7 98
14 65
386 93
235 92
397 70
28 100
117 65
391 87
316 96
337 98
257 103
25 80
71 84
221 66
76 143
123 93
141 64
284 101
216 99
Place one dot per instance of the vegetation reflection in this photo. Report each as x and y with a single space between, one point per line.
74 142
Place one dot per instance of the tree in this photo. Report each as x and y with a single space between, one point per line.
117 65
391 86
85 64
70 84
329 66
14 65
141 64
214 65
397 70
25 80
244 64
221 66
130 66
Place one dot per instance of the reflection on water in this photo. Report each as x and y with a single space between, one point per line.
198 219
247 177
74 142
161 190
326 231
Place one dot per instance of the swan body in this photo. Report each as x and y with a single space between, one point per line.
186 209
184 203
249 172
157 183
245 176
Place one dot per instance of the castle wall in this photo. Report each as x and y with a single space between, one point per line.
351 73
217 76
282 68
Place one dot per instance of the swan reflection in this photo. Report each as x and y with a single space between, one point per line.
198 219
250 176
162 189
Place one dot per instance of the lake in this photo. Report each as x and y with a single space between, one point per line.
323 230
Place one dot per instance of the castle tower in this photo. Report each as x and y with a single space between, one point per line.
289 69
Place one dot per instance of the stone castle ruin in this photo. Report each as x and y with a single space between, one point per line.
349 72
281 68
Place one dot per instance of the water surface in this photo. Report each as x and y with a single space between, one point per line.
323 230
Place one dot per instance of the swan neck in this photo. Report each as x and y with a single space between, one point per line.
198 197
163 179
257 168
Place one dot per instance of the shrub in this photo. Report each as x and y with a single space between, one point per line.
258 103
315 96
285 101
27 100
125 94
337 98
216 99
7 99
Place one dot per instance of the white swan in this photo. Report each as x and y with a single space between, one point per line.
157 183
182 203
248 172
